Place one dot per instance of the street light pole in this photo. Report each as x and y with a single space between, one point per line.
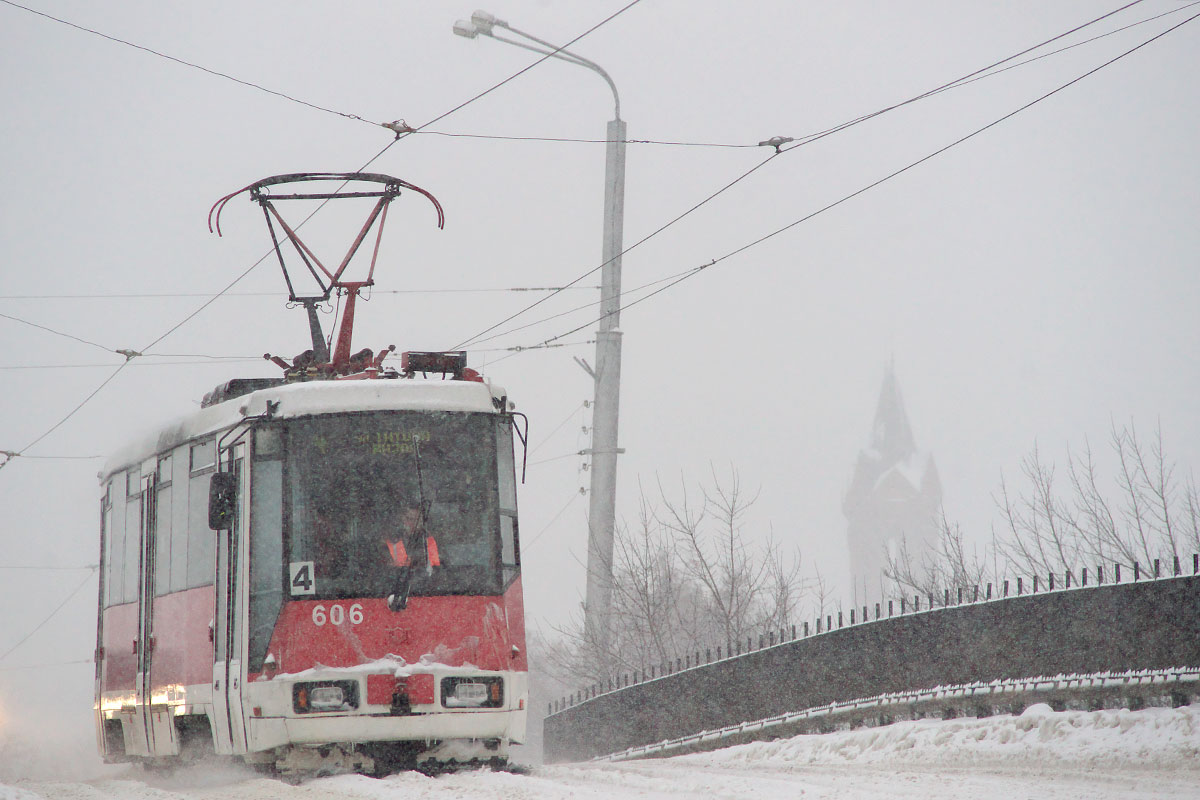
607 373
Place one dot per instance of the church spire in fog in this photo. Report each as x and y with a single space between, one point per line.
893 497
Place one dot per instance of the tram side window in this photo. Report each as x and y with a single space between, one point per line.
507 485
203 455
266 546
114 541
201 549
180 469
133 538
162 524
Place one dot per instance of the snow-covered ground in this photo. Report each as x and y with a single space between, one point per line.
1103 755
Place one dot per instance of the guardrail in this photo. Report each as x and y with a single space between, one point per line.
1133 689
1113 628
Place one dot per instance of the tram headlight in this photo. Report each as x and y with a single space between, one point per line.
473 692
311 697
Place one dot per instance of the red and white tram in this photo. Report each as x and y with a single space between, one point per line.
318 573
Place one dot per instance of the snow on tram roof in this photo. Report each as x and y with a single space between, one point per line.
308 399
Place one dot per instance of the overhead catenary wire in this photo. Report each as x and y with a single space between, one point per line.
503 82
575 496
60 333
570 311
575 454
779 150
572 140
399 137
583 404
697 270
355 117
466 135
51 615
374 291
1095 38
9 454
138 364
46 666
400 134
189 64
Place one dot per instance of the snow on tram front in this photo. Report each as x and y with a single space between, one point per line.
318 573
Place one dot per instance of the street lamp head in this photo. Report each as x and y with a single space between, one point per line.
484 22
465 28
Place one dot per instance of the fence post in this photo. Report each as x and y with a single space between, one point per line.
1067 576
1035 577
1100 575
1157 568
1177 570
1117 573
1196 563
989 591
916 602
852 616
1006 587
901 605
1051 589
1083 576
864 616
839 619
1137 571
946 596
793 630
829 622
806 630
877 611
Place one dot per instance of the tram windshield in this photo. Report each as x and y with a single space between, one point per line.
370 493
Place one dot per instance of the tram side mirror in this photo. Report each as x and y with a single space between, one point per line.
222 493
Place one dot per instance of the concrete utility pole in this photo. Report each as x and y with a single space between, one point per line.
607 374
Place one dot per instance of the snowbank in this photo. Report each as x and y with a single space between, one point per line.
1155 737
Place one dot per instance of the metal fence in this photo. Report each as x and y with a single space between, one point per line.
1067 624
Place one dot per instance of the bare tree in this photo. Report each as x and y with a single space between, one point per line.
684 579
1142 513
952 565
1155 514
1040 534
747 589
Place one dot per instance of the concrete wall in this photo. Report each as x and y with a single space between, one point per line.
1145 625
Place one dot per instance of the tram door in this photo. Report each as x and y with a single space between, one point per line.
227 677
150 730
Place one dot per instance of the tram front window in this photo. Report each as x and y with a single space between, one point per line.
371 493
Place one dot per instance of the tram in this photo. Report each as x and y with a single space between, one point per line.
318 572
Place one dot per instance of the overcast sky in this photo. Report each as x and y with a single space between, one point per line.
1031 285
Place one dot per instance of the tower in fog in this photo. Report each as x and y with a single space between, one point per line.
893 498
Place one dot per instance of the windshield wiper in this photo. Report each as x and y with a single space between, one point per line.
414 543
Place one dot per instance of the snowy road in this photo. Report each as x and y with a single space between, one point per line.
662 780
1106 755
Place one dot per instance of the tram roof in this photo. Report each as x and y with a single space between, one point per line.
310 399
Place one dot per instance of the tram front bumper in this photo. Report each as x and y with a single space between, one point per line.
266 733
